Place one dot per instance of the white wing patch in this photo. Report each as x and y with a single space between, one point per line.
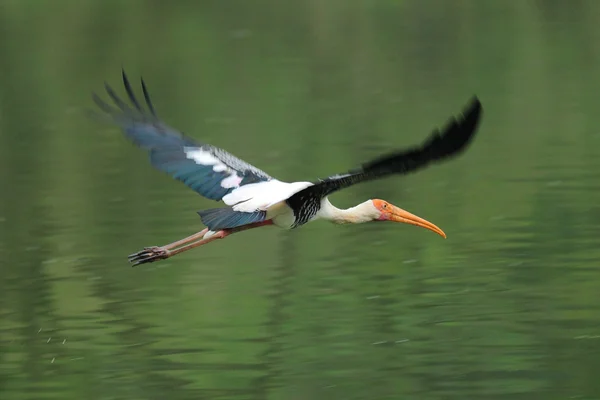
204 157
252 197
231 181
262 195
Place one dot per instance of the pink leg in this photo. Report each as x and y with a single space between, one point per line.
151 254
187 240
156 250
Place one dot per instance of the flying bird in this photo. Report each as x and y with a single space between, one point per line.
252 197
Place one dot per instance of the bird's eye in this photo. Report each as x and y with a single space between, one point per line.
384 205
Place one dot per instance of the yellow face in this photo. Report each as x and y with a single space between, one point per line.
390 212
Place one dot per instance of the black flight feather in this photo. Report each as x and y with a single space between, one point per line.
147 97
130 91
120 103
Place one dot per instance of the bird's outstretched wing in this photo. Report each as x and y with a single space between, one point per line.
210 171
440 145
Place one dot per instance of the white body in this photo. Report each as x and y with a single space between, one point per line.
270 197
267 196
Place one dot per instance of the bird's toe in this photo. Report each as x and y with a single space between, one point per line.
146 250
148 255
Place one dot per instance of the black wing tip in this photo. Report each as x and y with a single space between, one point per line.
474 107
130 92
475 101
107 87
147 97
455 136
125 80
472 116
459 132
122 106
464 124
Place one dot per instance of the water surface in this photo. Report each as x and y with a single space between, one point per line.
506 308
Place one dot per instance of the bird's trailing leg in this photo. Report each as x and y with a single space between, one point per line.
155 253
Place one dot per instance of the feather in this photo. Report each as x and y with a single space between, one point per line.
210 171
130 91
217 219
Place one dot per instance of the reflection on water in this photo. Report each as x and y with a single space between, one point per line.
506 307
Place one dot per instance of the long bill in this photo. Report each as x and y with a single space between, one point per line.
399 215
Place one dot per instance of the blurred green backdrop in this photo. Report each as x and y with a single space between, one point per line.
506 308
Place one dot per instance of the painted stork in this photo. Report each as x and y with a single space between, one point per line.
252 197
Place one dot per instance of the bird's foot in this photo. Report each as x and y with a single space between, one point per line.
148 255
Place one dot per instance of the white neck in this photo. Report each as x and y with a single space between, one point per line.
364 212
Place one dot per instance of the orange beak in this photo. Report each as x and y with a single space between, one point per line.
397 214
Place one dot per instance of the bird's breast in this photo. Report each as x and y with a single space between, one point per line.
281 214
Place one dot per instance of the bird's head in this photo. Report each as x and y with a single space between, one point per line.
385 211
